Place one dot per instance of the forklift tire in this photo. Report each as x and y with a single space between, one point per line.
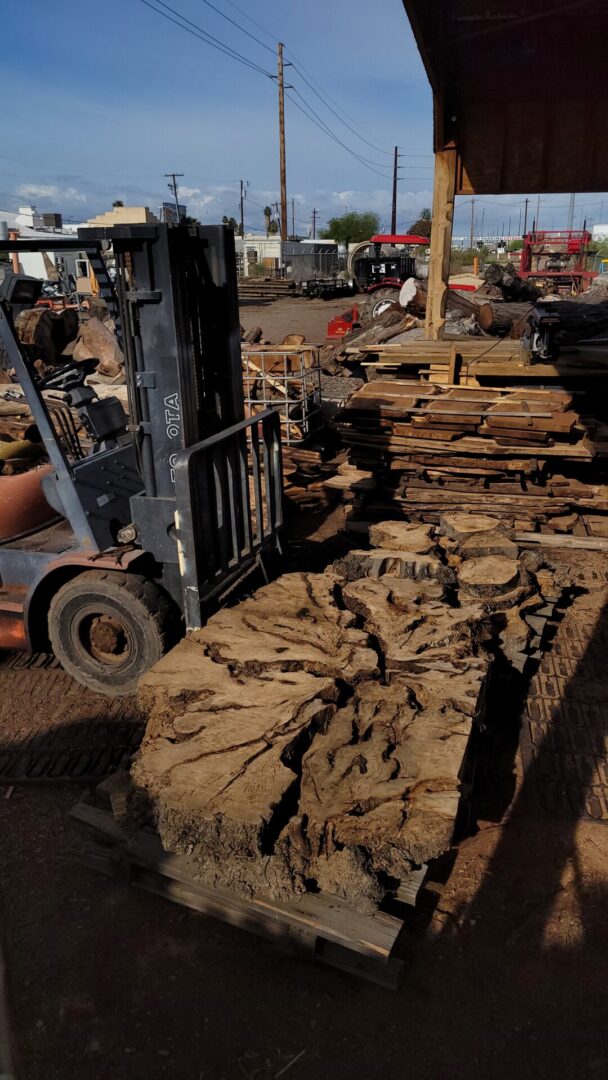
107 629
376 303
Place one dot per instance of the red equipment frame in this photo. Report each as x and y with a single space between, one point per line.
572 244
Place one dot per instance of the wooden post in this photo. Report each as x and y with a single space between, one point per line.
441 241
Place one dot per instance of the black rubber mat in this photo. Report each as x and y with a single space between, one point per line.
51 728
564 731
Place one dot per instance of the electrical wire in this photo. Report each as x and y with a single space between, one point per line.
251 20
197 31
204 36
316 119
238 26
389 153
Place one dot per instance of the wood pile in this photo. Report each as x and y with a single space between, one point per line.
314 736
431 450
287 378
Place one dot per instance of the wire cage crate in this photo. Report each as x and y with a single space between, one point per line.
286 378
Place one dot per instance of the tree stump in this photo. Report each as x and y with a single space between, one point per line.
402 536
488 576
459 526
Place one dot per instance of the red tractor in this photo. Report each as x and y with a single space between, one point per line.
381 265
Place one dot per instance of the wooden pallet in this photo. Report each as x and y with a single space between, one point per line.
319 925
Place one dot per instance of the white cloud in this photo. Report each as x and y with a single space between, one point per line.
50 191
195 198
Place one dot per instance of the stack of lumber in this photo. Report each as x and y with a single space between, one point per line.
265 288
431 450
479 360
313 737
305 473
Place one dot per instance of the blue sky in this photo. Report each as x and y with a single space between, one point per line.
104 98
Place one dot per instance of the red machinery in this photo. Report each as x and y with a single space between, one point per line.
380 272
557 258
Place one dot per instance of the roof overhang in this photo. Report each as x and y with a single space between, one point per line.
520 89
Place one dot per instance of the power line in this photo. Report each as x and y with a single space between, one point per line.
343 111
238 25
204 36
299 66
320 123
251 20
198 32
336 114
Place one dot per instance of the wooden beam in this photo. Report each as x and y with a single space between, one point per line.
444 189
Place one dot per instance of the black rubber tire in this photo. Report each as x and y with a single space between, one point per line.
378 298
128 601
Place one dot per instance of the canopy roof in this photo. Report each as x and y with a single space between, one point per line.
520 88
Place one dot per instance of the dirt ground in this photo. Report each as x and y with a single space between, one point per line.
506 969
294 316
505 960
506 955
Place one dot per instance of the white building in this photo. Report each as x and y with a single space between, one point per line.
294 258
29 224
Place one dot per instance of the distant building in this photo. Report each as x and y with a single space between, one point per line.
298 259
29 224
168 211
599 232
123 215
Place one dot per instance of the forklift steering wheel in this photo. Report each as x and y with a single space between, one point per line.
69 376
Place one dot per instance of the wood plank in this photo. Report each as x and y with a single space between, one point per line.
328 916
565 541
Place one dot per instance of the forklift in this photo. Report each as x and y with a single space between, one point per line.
154 517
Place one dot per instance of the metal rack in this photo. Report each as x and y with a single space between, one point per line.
288 380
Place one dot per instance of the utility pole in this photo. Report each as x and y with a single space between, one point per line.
314 222
538 213
483 214
293 219
283 168
173 187
519 223
244 185
394 209
509 228
472 237
571 211
526 201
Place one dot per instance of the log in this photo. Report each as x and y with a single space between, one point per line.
381 783
45 334
96 341
488 576
311 634
415 629
401 564
461 526
269 777
401 536
505 277
487 543
578 321
501 319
